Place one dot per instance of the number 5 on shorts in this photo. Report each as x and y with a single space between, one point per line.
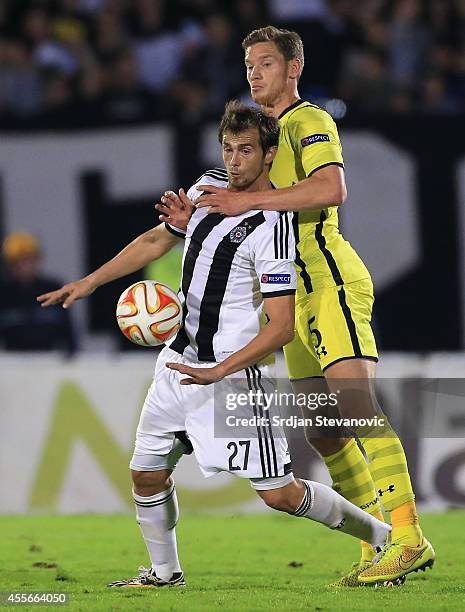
233 446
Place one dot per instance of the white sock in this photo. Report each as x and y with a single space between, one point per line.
157 517
324 505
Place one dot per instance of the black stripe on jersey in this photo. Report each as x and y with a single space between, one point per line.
286 236
215 287
174 231
350 322
259 434
304 275
275 238
218 177
300 103
198 236
289 108
270 429
281 236
216 173
278 230
324 166
272 294
327 254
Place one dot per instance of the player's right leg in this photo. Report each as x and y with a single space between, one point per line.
157 514
157 451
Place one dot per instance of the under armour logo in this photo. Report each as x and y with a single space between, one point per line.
390 489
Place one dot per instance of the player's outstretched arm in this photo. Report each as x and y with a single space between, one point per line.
145 248
325 187
176 209
278 332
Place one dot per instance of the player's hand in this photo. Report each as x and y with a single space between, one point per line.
223 201
198 376
68 294
175 209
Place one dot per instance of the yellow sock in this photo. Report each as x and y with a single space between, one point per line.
405 524
388 467
352 479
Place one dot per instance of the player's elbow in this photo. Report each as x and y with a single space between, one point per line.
339 194
287 333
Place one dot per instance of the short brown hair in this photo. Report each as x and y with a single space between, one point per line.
289 43
239 117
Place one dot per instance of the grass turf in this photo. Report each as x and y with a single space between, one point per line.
254 562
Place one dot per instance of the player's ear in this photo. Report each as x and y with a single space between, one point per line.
294 68
270 154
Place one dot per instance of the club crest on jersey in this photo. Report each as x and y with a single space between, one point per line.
238 234
276 279
309 140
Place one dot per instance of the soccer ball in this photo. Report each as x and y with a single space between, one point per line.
149 313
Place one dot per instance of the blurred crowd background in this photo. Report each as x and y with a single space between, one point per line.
392 68
129 60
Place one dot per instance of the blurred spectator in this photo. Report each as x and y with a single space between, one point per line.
208 63
408 41
189 98
157 46
434 98
108 33
297 10
57 89
125 98
48 52
19 81
24 324
248 15
366 85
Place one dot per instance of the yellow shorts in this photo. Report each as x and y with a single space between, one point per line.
331 325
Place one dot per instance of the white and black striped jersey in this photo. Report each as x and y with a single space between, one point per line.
229 265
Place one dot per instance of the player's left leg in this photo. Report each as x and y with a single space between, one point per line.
387 463
322 338
316 501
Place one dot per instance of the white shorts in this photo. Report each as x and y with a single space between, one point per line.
253 452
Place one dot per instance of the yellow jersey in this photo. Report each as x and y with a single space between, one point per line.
309 141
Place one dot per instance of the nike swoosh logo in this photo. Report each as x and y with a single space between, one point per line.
407 564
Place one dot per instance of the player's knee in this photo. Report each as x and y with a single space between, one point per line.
278 500
327 446
150 483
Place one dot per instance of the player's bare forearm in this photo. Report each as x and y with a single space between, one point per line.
147 247
271 338
326 187
140 252
278 332
316 192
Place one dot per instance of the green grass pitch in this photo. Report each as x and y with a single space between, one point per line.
252 562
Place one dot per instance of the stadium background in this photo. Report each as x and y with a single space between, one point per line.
105 104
